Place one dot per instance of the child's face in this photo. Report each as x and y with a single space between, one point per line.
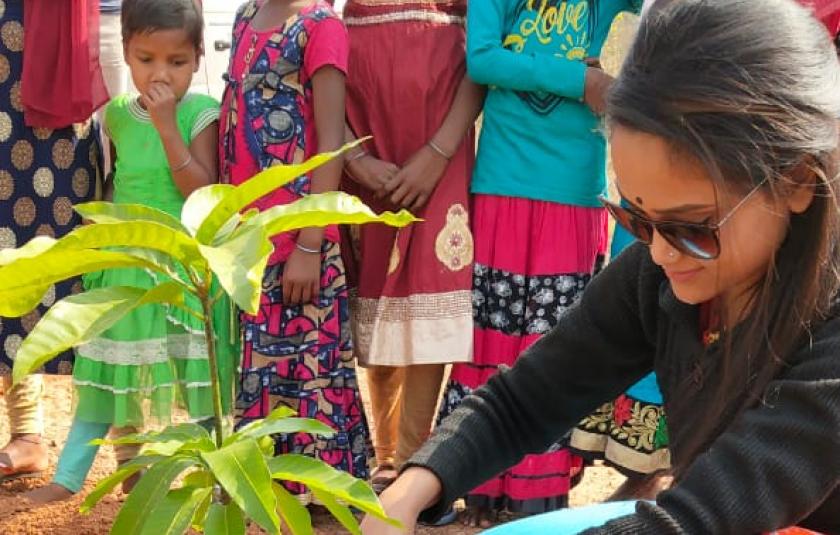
668 186
162 57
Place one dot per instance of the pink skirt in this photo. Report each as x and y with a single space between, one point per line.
532 261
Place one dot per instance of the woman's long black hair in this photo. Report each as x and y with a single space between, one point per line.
751 90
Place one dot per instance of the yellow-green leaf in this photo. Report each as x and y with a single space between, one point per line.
123 472
77 319
178 244
340 511
106 212
333 208
143 499
24 282
262 428
257 187
224 520
34 247
173 515
239 264
241 469
294 514
316 474
201 202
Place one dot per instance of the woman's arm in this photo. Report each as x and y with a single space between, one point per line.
302 274
414 183
599 348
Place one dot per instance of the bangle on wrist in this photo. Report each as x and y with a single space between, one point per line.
307 250
432 145
184 165
358 156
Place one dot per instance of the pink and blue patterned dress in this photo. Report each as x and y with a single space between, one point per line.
297 356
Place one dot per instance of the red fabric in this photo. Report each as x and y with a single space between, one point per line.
402 81
62 82
828 11
529 238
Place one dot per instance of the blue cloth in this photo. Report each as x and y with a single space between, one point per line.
110 6
78 455
566 521
538 139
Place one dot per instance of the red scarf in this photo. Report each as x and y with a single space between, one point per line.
62 81
828 11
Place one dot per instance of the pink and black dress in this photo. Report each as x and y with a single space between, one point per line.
298 356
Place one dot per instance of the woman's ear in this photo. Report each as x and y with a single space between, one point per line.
803 181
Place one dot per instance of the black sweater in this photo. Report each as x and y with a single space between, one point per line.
775 465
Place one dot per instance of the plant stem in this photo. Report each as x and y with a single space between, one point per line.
206 305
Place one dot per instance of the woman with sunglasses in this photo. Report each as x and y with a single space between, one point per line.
724 137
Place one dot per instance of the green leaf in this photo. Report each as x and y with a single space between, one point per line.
201 202
257 187
76 319
241 469
147 493
261 428
224 520
24 282
178 244
123 472
317 475
323 209
294 514
239 265
340 511
107 212
165 263
173 515
34 247
184 433
200 516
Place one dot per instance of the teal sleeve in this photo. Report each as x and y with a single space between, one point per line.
634 6
490 63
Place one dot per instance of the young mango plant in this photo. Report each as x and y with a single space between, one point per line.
212 482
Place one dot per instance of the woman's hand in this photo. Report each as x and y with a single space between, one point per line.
416 181
415 490
372 173
301 277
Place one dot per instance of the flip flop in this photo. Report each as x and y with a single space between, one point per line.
448 518
379 482
8 472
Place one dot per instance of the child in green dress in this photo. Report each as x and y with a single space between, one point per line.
164 142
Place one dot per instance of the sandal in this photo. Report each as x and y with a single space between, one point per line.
10 471
379 482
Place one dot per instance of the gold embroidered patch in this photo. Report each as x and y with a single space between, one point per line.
454 243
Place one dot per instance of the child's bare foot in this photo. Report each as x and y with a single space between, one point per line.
47 494
479 517
23 456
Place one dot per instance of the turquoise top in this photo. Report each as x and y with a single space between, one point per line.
538 139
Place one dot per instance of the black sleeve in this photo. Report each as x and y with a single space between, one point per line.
599 348
772 468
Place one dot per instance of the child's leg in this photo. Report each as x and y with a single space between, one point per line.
78 454
421 389
25 454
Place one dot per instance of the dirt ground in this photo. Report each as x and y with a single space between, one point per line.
64 519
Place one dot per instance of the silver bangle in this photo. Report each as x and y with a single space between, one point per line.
439 150
183 165
307 250
359 155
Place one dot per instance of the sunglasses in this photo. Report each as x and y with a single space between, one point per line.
698 240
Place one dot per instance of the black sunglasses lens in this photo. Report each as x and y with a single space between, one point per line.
698 242
640 229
